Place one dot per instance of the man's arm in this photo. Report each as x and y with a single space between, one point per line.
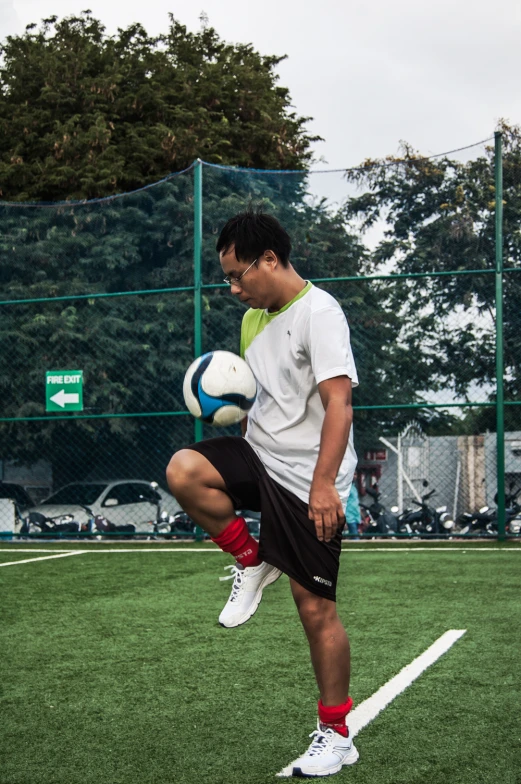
244 425
325 507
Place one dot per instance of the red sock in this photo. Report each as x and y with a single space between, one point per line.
237 540
334 716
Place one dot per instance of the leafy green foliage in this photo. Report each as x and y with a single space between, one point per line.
84 115
440 217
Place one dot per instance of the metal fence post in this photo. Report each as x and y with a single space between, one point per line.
500 406
198 295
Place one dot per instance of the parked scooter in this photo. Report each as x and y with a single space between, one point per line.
485 521
378 521
512 511
427 520
64 524
169 526
181 524
480 523
105 526
163 524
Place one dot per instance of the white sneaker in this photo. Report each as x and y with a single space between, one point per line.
328 753
246 592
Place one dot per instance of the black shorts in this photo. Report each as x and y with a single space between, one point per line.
288 538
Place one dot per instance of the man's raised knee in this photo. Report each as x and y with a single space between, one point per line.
184 470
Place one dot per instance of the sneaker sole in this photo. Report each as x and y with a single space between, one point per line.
268 580
298 773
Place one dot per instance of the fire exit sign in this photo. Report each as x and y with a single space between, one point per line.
64 390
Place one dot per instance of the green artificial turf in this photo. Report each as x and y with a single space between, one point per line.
115 670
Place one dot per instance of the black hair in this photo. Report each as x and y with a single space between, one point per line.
252 232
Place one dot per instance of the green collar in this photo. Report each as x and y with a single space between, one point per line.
302 293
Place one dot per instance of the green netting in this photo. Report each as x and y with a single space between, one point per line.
83 262
409 250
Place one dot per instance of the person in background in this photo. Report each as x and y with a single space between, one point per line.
353 510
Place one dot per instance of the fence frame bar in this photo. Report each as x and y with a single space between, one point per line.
136 414
500 397
198 295
176 289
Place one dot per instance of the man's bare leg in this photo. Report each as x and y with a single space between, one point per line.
200 490
328 644
332 747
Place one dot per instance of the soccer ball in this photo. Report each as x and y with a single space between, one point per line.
219 388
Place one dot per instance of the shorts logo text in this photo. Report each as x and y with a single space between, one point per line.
322 580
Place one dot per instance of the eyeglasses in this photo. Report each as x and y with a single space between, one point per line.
236 281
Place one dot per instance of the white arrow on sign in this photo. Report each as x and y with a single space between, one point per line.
62 398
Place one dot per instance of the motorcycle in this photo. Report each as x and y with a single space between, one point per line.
181 524
512 511
480 523
485 521
378 521
105 526
35 522
171 526
427 520
166 525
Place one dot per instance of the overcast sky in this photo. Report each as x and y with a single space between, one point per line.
370 73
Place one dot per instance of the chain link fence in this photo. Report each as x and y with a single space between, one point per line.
120 294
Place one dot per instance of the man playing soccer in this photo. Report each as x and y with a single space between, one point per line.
294 464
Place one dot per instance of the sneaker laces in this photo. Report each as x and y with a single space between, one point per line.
228 576
237 573
321 740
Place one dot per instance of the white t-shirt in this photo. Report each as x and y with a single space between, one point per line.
290 352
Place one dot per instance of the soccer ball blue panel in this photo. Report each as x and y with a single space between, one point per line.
219 388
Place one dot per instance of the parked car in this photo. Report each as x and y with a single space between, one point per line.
122 502
14 500
17 493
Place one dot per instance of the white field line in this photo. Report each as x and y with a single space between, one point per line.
42 558
432 549
163 549
115 550
11 549
122 550
369 709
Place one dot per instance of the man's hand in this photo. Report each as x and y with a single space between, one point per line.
326 509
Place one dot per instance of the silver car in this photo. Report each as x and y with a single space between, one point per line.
121 502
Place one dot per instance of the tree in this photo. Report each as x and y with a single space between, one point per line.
85 115
440 216
62 87
134 350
